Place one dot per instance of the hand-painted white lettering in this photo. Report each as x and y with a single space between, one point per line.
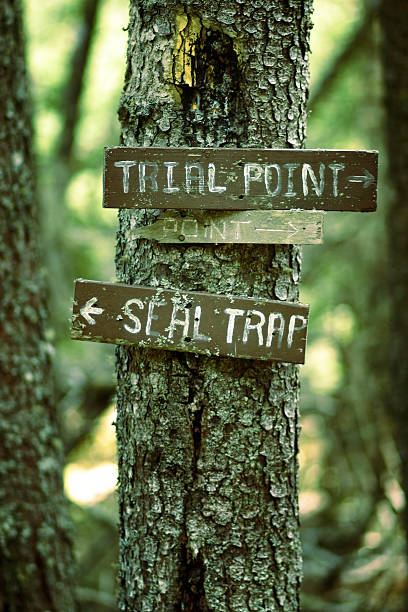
125 165
197 335
336 169
211 230
189 178
238 227
127 311
314 179
294 328
152 177
258 326
233 313
291 168
89 309
307 170
194 227
151 317
170 187
278 187
174 322
211 181
249 177
170 225
273 328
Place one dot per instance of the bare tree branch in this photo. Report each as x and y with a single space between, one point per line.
99 598
95 399
352 47
74 86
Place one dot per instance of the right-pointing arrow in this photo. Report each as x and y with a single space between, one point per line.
367 179
291 232
294 232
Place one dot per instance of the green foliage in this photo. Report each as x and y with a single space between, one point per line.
353 544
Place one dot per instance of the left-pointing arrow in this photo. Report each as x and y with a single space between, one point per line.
88 309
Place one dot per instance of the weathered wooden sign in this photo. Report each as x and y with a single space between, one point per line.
240 179
222 325
246 226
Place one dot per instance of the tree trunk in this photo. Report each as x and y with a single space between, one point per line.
35 561
208 446
394 22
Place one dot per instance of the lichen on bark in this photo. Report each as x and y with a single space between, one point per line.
207 446
35 558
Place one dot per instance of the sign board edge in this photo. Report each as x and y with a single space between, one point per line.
194 293
123 342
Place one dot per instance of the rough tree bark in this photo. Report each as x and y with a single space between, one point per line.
35 560
394 23
208 446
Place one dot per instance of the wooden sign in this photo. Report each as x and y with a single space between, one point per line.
221 325
240 179
247 226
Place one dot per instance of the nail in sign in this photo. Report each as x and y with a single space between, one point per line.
240 179
210 324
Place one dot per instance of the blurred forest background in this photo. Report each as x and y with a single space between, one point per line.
351 497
